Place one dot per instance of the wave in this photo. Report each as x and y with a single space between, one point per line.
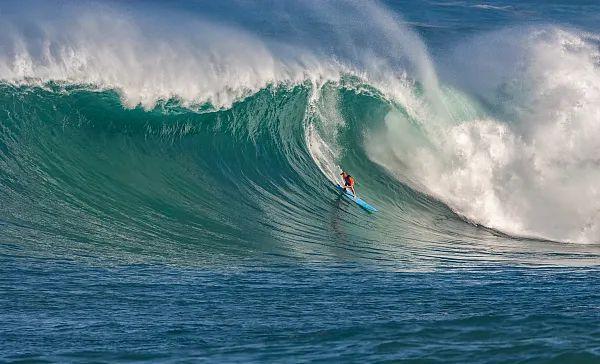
159 135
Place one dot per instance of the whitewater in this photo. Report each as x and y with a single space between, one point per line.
154 150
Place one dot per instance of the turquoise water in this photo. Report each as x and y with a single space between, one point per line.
167 182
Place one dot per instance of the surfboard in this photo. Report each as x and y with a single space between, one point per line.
358 201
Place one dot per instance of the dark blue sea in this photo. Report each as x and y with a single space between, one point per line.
168 171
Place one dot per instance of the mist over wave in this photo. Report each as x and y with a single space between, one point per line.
156 55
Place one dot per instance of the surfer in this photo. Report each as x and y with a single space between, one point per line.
348 182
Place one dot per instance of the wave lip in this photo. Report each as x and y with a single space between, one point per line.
156 54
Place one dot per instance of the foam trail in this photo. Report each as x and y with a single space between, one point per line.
322 131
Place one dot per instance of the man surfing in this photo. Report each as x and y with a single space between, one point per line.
348 182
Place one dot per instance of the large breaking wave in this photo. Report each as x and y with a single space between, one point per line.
157 134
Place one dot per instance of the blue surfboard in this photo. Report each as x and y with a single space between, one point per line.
358 201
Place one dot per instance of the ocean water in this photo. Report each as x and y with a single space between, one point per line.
167 177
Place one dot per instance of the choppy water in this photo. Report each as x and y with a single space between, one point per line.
166 180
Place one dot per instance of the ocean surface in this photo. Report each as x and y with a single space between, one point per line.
167 174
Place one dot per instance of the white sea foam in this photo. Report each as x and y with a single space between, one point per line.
492 7
534 168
